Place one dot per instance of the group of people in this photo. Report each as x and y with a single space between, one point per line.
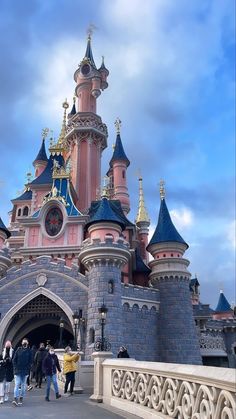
18 364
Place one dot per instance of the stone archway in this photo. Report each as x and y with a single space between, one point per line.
39 308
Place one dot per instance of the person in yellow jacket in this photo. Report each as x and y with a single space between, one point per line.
70 368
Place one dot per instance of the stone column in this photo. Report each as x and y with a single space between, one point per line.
99 357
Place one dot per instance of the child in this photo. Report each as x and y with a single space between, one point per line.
2 378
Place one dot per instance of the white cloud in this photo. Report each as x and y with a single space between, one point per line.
182 218
230 234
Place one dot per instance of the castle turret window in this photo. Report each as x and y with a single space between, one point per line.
26 211
111 287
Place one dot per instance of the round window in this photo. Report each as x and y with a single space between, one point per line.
53 221
85 69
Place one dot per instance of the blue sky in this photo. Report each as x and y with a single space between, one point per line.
172 84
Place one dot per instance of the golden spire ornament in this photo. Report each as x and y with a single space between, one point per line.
45 132
142 215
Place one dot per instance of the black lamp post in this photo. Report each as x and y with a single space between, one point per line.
61 327
76 317
102 343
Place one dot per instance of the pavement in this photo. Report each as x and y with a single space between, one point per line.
78 406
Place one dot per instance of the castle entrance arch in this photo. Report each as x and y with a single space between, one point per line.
39 321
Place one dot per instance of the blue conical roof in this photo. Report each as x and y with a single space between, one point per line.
119 153
73 110
89 54
104 212
223 304
42 155
165 230
3 228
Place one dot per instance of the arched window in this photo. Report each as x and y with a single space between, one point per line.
26 211
91 335
19 212
123 174
110 287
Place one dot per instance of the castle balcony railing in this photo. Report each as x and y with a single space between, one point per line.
212 344
162 390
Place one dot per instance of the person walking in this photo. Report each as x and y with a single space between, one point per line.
38 361
70 368
2 378
50 367
7 355
22 361
123 353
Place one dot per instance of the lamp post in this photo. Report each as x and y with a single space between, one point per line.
61 327
76 317
102 343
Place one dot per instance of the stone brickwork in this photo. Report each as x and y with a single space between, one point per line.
177 331
61 281
141 332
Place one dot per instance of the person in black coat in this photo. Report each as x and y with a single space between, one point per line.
50 367
2 378
123 353
22 362
7 354
38 362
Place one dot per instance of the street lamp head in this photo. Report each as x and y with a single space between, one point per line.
76 317
103 312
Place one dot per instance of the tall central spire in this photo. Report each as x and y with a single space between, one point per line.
142 212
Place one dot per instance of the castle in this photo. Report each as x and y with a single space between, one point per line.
70 249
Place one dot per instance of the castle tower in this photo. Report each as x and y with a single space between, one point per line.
142 222
223 309
5 260
86 134
41 160
177 330
103 255
117 173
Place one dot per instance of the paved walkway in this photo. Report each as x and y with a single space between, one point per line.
75 407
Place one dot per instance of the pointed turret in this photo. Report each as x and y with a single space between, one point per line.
41 160
88 53
105 213
171 276
142 222
4 232
73 109
104 73
117 173
223 309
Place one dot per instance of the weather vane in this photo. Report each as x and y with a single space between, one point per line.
45 132
118 125
162 189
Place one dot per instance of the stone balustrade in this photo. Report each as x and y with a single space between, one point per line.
162 390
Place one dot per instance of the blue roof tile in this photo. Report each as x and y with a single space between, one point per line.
26 196
102 211
42 155
223 304
165 230
119 153
3 228
46 176
140 265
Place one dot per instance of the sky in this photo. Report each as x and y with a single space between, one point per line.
172 84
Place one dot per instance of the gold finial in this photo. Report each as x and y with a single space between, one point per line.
74 99
142 215
29 176
118 125
65 105
113 147
102 59
162 189
45 132
105 193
